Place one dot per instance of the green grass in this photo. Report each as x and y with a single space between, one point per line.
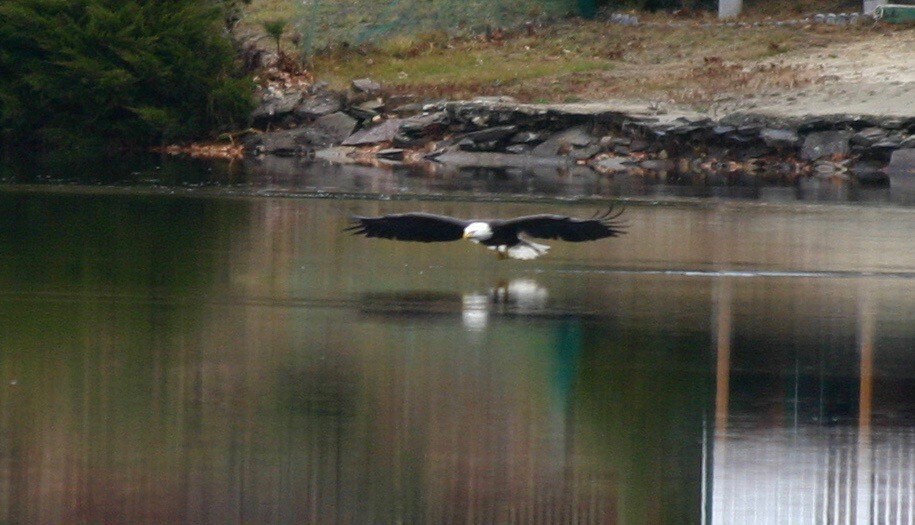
260 11
468 69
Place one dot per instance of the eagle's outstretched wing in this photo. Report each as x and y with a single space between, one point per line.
567 228
420 227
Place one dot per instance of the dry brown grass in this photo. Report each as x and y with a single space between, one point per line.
691 62
685 59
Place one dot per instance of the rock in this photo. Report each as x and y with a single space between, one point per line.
685 129
908 143
407 110
375 104
576 136
368 110
639 145
749 130
886 144
780 138
609 142
275 107
366 85
658 131
364 115
472 145
391 154
584 153
518 149
290 142
867 137
824 143
495 100
490 134
403 140
466 145
480 121
425 125
318 105
338 126
383 132
526 137
901 170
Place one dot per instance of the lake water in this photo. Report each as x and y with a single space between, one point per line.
212 355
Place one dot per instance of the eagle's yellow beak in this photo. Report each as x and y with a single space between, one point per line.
466 235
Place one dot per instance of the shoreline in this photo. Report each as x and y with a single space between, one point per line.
607 137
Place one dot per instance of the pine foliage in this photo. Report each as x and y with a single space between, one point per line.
124 70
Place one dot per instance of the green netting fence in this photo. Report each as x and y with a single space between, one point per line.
328 22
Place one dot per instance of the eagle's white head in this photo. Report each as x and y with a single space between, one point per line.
477 231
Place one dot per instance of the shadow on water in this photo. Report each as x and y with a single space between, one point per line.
194 360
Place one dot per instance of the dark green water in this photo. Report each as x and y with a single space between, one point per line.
212 359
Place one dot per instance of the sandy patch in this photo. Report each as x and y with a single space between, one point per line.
873 77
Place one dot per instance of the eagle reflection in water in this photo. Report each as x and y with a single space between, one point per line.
518 296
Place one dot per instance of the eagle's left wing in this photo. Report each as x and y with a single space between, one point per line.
420 227
568 228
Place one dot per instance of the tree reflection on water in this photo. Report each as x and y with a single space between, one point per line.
222 361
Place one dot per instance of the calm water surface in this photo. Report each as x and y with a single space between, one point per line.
197 359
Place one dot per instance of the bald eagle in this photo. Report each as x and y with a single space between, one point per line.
508 238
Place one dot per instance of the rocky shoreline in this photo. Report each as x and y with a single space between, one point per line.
363 125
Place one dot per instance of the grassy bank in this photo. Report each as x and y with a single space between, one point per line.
691 63
683 59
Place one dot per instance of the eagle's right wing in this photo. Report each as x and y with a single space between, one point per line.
605 224
420 227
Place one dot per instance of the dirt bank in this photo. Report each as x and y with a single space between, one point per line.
871 77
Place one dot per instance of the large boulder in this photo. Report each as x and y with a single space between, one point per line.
780 138
336 126
290 142
318 105
275 107
489 134
826 143
563 142
425 125
867 137
366 85
901 170
384 132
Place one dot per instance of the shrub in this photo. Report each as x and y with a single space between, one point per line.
129 71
